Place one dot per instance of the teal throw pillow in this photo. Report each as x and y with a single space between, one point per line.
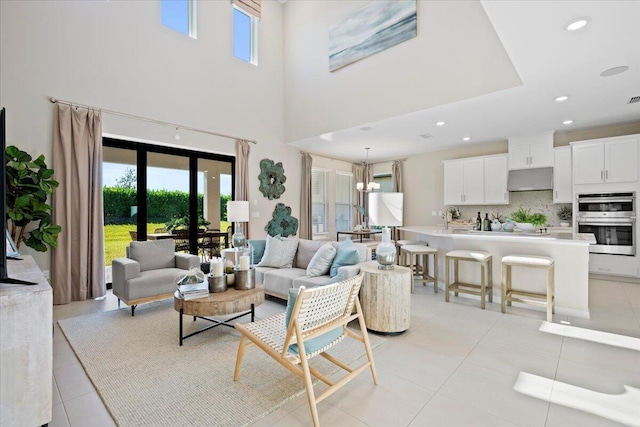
258 249
314 344
338 278
347 254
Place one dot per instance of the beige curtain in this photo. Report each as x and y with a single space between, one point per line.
396 177
358 176
306 205
77 264
242 177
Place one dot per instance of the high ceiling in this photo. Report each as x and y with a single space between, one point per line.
550 62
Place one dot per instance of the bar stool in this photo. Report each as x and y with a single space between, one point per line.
486 270
400 244
545 299
412 252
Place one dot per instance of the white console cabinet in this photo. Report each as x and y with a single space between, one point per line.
608 160
26 347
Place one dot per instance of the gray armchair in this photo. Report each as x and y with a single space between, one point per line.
148 272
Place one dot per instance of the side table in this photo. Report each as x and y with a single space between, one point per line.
385 297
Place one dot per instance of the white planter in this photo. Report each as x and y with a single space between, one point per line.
525 227
565 224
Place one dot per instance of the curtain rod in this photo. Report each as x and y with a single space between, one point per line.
145 119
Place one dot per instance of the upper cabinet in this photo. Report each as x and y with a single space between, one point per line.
496 173
562 186
610 160
464 182
531 151
476 181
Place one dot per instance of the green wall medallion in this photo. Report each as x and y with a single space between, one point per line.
282 222
271 179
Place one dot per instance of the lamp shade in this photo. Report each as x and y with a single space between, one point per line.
385 209
238 211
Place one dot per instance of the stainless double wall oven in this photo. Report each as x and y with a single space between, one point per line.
611 217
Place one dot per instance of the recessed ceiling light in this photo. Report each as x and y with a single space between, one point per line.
425 136
567 122
466 138
577 23
562 98
613 71
440 123
366 128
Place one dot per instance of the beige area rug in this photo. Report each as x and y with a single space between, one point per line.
146 379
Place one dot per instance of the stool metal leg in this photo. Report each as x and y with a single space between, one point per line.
455 275
446 278
435 273
482 284
503 289
509 285
490 262
550 275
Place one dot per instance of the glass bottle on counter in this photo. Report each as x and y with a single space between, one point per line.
486 224
478 226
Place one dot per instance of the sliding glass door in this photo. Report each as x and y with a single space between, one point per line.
154 192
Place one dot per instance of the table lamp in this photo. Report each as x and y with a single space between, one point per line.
385 209
237 212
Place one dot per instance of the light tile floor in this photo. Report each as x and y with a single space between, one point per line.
456 366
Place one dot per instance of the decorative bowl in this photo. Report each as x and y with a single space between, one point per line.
525 227
496 226
565 224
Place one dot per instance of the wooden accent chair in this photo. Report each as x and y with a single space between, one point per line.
319 321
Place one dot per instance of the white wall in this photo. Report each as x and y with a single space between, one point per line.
456 55
116 55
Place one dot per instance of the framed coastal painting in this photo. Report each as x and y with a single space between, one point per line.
372 28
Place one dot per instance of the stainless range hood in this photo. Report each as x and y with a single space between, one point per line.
530 179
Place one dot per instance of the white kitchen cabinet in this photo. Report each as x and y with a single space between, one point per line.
464 182
531 151
562 184
611 160
495 180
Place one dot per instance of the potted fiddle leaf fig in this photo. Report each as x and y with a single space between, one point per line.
29 184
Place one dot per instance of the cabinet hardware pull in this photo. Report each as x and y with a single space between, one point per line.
556 194
601 174
606 175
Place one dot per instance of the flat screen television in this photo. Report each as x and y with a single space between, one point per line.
9 251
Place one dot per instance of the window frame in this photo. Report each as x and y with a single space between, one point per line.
253 36
191 25
336 203
326 203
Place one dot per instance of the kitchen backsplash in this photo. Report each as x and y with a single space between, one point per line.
537 201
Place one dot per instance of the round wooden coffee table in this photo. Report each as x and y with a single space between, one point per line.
219 304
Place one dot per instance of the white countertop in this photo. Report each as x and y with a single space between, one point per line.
552 236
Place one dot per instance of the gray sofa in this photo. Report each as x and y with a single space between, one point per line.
149 271
278 281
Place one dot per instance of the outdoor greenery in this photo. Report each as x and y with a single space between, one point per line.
523 215
29 184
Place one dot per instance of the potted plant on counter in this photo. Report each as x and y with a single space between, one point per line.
526 221
564 214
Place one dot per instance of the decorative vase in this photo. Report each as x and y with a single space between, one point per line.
565 224
496 225
508 225
525 227
386 251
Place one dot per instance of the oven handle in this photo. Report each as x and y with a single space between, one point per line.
597 224
605 200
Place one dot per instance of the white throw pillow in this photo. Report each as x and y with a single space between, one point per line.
279 252
321 261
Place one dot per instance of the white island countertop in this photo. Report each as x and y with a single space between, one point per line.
569 250
563 237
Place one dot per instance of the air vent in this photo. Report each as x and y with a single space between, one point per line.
634 99
426 136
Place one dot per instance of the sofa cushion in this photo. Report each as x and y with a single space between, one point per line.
312 282
258 246
361 247
321 261
153 254
306 250
314 344
347 254
279 281
279 252
260 273
151 283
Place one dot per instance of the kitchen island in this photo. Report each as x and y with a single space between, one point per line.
570 252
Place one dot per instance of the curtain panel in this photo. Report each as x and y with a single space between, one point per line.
306 205
77 264
242 177
396 177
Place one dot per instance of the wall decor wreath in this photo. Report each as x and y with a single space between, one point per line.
272 179
282 222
